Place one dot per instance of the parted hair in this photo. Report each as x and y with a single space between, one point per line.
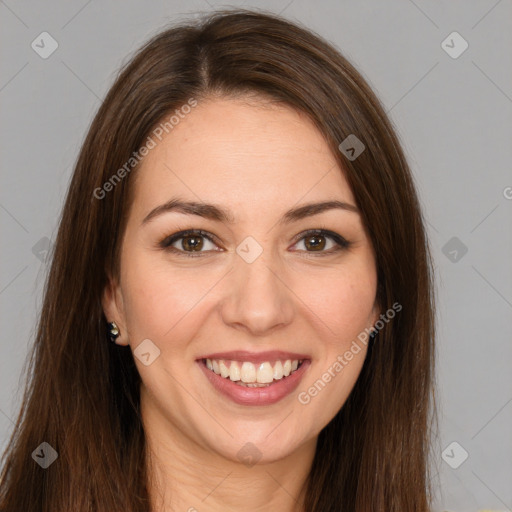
82 392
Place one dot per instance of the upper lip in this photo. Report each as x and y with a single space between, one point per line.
256 357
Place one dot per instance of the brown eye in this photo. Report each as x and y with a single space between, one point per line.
315 242
189 243
192 243
322 241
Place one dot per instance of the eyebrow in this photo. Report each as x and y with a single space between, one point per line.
220 214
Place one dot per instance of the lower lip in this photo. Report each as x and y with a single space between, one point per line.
267 395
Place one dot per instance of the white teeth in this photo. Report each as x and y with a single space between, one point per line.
265 373
234 372
252 374
224 370
278 370
247 372
252 384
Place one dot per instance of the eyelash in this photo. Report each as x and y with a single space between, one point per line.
166 243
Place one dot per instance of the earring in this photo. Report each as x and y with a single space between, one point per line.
113 331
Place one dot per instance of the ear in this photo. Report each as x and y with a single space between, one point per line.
375 314
113 307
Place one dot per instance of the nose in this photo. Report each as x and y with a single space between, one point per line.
257 298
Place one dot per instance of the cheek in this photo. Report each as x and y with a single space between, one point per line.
342 300
159 298
344 311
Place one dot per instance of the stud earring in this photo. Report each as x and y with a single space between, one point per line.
113 332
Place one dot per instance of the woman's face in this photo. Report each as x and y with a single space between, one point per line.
254 288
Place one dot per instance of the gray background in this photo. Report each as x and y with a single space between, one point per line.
453 116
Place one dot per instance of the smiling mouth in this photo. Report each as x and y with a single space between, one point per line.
253 375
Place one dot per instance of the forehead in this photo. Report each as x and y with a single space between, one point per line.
251 156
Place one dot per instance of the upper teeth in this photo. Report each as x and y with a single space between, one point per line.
248 372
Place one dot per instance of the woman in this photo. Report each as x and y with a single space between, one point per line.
239 313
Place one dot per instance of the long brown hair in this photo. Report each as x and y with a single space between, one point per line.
82 393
